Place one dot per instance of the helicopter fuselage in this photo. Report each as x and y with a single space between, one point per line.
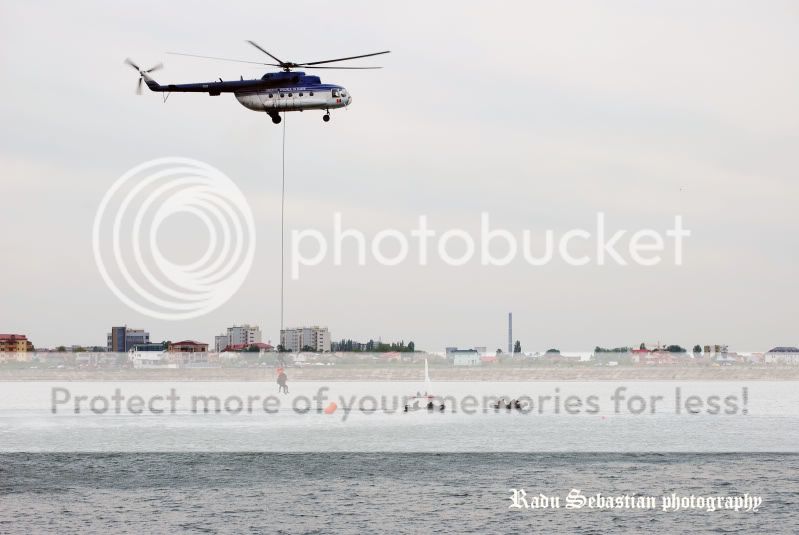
273 93
295 98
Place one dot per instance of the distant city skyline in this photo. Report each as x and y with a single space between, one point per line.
124 338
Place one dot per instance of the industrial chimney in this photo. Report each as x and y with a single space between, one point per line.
510 333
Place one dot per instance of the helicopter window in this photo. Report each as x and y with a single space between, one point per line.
282 95
301 94
310 93
336 93
270 95
289 94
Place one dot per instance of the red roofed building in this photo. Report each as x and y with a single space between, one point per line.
15 343
188 353
187 346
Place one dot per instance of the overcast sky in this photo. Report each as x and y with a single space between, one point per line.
539 113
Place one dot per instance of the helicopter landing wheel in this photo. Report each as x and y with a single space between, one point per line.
276 118
326 117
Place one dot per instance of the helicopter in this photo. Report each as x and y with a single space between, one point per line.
274 92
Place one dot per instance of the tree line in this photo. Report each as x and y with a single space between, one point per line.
374 347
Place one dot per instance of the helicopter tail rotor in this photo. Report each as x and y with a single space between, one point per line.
143 73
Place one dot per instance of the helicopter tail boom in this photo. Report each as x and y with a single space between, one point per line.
151 84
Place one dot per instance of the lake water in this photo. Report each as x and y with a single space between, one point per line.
360 468
649 416
387 493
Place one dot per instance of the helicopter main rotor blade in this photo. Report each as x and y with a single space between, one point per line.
156 67
222 59
351 68
253 43
138 87
342 59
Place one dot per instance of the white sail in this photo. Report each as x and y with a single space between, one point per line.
427 386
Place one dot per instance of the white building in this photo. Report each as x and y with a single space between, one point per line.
463 357
150 359
238 334
782 355
317 338
221 341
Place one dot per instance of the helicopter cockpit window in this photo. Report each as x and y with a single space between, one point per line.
336 93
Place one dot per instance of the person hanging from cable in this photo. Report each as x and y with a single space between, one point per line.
282 386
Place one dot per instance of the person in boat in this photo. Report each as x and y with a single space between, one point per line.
517 405
430 405
499 403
